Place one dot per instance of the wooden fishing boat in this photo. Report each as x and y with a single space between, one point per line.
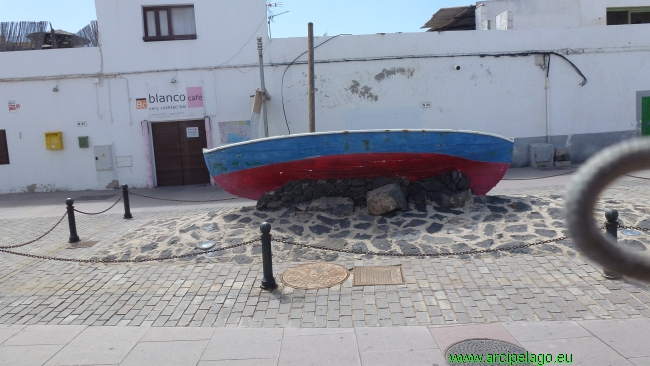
249 169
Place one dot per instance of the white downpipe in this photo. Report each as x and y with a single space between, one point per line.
147 149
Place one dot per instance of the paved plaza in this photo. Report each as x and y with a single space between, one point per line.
210 310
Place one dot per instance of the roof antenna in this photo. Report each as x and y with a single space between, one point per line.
270 14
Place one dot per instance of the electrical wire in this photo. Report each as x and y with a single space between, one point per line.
495 55
245 43
285 72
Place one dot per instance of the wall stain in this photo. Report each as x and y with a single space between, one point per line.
34 188
115 184
386 73
362 91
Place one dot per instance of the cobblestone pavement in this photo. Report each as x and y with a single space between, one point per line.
209 293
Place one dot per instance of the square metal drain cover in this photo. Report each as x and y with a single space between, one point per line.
82 244
380 275
94 198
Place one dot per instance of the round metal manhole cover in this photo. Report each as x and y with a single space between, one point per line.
483 352
311 276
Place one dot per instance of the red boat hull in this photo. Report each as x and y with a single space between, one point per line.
252 183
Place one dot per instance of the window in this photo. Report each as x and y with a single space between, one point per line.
165 23
4 151
638 15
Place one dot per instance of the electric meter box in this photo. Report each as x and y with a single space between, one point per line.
54 140
103 157
83 141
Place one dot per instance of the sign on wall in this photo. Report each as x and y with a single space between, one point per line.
13 106
192 132
233 132
172 100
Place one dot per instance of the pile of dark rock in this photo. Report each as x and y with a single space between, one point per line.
449 189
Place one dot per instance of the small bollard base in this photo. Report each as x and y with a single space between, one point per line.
611 275
269 284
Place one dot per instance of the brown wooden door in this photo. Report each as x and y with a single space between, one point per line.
194 169
179 158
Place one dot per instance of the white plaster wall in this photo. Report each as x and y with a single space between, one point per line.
530 14
33 168
503 95
226 34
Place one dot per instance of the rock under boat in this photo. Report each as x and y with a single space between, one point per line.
249 169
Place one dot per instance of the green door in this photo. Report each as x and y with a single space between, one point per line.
645 116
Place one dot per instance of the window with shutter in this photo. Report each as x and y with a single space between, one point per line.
166 23
634 15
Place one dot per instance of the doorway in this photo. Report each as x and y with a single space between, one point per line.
645 116
178 153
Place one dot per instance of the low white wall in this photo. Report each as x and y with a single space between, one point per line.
50 63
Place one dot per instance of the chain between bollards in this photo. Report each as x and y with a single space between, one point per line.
127 206
611 227
268 282
74 238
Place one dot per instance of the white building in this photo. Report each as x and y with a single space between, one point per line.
165 74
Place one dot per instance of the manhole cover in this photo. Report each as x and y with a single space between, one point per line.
482 352
380 275
82 244
311 276
94 198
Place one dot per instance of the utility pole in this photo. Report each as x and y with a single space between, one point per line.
312 95
265 95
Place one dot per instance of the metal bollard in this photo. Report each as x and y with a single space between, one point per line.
127 206
268 282
74 238
611 226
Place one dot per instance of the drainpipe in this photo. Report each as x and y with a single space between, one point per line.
264 93
546 87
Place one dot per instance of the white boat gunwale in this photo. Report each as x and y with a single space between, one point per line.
223 147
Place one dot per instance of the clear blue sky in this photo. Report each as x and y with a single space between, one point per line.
331 16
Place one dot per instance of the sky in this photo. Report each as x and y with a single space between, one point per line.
332 17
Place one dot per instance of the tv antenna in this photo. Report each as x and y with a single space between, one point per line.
271 16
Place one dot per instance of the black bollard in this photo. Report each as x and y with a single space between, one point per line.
611 226
74 238
127 206
268 282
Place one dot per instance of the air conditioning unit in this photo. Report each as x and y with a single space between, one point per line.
541 155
